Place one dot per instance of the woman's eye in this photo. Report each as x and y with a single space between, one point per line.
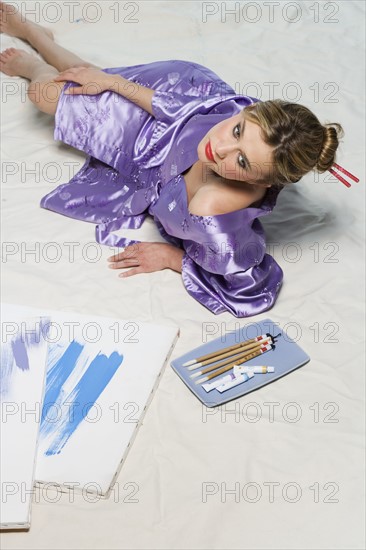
241 161
236 131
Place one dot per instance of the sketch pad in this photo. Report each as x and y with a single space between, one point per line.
286 357
100 379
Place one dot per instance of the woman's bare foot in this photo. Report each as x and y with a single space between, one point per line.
15 62
14 24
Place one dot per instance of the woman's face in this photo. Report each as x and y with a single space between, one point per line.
235 150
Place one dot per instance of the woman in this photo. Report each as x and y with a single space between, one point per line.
172 140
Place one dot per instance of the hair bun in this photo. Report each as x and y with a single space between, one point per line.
332 133
299 142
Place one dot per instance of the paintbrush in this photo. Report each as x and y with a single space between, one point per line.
234 363
224 350
231 353
237 358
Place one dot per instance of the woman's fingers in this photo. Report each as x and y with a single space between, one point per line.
75 91
124 263
127 258
87 89
128 252
116 257
124 260
91 81
130 272
142 257
64 74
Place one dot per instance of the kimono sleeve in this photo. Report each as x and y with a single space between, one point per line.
232 273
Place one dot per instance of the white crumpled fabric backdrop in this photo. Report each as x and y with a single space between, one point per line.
280 467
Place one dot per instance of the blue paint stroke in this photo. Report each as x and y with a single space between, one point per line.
7 362
20 353
15 352
32 336
91 385
57 374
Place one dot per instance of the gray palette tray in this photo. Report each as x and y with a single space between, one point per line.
286 357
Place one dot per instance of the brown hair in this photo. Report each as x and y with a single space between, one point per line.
300 142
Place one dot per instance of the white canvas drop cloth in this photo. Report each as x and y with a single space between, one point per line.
281 467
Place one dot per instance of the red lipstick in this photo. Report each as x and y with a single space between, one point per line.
208 152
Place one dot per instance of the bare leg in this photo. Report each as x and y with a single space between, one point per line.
7 18
42 91
39 38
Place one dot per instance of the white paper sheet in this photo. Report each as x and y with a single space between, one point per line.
100 378
22 374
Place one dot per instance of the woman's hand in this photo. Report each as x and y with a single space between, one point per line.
147 257
96 81
92 81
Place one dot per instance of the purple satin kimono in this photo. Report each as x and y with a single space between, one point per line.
134 168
